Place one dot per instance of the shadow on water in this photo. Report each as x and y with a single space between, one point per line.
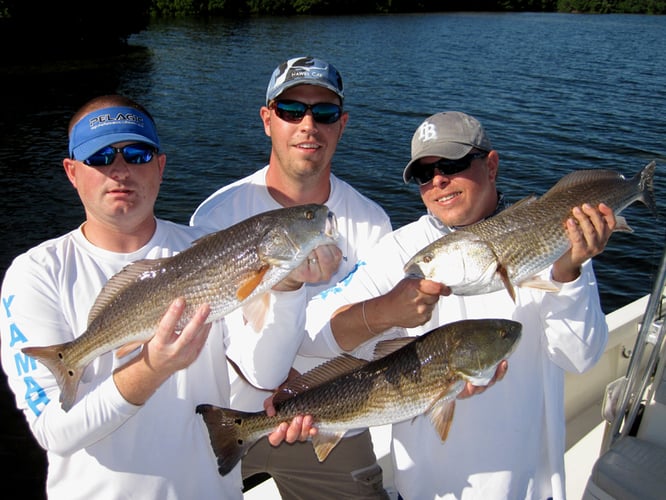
38 200
37 196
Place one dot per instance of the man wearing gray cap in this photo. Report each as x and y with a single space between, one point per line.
304 116
509 442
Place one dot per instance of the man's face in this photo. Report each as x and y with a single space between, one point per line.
465 197
118 194
305 147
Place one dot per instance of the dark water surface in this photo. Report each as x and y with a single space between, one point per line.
555 92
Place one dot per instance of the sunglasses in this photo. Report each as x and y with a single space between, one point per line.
135 154
294 111
424 173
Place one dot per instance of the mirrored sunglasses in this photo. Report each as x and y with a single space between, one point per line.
135 154
424 173
294 111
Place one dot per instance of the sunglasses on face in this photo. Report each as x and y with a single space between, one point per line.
424 173
135 154
294 111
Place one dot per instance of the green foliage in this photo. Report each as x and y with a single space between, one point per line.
46 29
613 6
528 5
324 7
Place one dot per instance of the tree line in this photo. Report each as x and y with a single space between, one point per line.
176 8
37 30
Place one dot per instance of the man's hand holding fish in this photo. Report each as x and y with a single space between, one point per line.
588 231
164 354
319 266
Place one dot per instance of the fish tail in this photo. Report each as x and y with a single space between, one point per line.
225 428
644 179
68 377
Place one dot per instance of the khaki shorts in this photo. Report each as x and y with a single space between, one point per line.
350 470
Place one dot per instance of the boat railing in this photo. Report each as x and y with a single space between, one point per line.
632 461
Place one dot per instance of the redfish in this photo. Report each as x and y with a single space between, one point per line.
409 377
227 269
512 247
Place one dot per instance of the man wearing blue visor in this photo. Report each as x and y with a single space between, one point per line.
132 430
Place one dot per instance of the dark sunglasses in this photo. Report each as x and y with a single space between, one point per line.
135 154
294 111
424 173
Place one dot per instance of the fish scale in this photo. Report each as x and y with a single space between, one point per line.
512 247
225 269
421 375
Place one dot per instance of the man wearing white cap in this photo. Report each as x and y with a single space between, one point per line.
507 442
132 431
305 119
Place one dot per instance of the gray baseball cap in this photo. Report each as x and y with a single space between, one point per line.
450 134
304 71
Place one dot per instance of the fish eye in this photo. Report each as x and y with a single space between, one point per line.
309 215
427 259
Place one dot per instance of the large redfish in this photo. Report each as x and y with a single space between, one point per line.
409 377
226 269
512 247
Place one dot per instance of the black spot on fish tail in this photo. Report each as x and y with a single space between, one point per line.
67 377
645 180
225 432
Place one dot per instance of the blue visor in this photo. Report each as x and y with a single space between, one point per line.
107 126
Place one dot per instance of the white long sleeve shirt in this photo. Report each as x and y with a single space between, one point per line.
361 222
508 442
105 447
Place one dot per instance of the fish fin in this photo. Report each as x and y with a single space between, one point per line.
127 348
225 429
525 201
581 177
249 285
622 225
441 417
121 280
386 347
212 236
256 310
539 284
504 276
443 407
324 442
67 377
318 376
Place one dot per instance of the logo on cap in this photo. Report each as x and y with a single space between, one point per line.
108 119
427 132
304 70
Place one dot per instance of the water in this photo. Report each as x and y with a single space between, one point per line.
555 92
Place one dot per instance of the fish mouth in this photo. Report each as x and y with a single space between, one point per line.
414 271
331 227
